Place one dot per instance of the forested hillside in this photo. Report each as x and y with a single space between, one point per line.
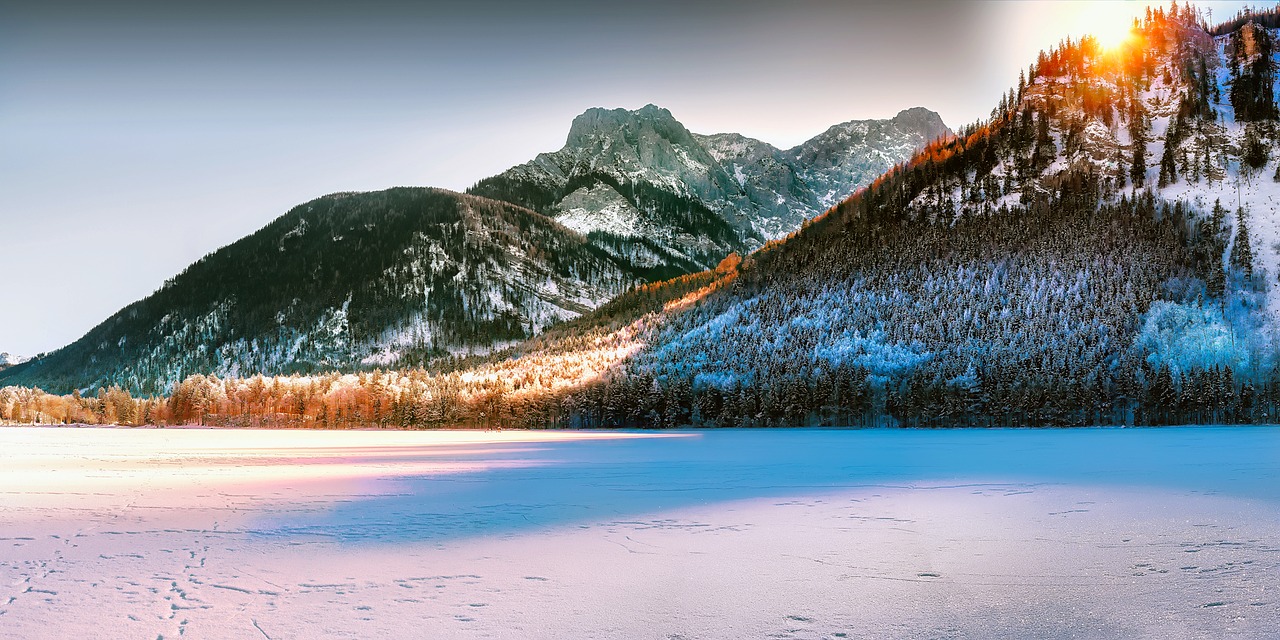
1040 268
353 280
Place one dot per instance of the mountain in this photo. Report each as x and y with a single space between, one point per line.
349 280
1102 250
644 188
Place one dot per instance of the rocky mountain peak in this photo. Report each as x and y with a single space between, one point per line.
633 125
922 120
645 189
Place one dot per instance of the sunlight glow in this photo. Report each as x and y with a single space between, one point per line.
1112 31
1043 24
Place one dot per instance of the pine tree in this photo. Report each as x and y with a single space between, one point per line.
1168 161
1168 167
1163 395
1212 241
1255 151
1045 151
1138 132
1241 251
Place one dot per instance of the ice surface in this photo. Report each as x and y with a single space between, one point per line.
1170 533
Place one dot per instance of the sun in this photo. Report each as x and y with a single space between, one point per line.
1112 37
1111 23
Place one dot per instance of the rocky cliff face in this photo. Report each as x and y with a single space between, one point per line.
859 151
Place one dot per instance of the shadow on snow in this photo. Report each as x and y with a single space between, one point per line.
585 482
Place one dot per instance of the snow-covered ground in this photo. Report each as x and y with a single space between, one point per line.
146 533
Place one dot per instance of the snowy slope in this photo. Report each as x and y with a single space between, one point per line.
1237 186
1208 154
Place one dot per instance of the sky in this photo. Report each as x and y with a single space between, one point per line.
136 137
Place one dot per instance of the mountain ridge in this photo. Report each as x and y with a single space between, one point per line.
398 311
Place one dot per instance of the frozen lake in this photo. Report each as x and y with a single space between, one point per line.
194 533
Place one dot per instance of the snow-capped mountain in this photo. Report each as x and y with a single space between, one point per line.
8 360
350 280
643 187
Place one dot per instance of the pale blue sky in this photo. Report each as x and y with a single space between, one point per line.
136 136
